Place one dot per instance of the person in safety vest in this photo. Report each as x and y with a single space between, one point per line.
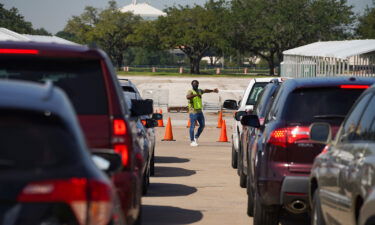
195 106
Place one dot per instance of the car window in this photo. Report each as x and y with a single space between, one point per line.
271 115
308 105
255 93
264 105
128 89
348 131
364 129
33 143
81 79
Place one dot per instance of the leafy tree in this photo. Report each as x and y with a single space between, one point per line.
13 20
366 24
267 28
194 30
109 29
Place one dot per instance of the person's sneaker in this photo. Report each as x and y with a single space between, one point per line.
196 140
193 144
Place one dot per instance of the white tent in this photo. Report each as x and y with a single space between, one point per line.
330 58
143 9
8 35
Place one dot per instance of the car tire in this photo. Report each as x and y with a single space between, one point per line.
138 221
146 182
234 158
250 196
316 211
152 165
265 215
243 179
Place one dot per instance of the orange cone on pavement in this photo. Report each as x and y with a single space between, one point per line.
161 123
168 131
189 123
220 119
223 134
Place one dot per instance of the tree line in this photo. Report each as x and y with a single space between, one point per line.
221 28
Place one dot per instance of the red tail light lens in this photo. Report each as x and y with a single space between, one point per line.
283 136
123 150
144 122
354 86
119 127
19 51
90 200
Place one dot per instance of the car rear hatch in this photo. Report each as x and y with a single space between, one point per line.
306 106
81 78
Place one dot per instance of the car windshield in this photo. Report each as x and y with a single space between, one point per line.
255 93
311 104
81 79
32 143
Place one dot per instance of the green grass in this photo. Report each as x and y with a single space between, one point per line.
171 74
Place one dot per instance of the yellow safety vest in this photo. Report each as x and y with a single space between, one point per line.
196 102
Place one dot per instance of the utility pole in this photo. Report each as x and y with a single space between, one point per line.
134 2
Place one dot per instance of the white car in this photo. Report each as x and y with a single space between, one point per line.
246 104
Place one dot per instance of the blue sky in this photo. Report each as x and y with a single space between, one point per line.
53 14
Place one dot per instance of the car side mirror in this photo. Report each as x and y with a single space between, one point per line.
230 104
151 123
250 120
141 107
320 132
239 114
157 116
108 161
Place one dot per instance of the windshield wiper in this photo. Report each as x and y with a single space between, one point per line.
329 116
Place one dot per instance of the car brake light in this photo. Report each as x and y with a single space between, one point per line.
19 51
119 127
123 150
354 86
325 150
289 135
90 200
144 122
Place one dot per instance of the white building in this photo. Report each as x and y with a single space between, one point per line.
144 10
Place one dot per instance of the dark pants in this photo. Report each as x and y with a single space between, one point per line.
196 117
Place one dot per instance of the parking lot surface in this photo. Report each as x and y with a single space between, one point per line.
194 185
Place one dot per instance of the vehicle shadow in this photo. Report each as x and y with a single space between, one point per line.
167 159
294 220
164 215
168 190
161 171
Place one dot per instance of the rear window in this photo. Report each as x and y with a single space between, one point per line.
315 104
33 143
255 93
81 79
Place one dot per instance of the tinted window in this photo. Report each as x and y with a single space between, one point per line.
265 100
348 131
128 89
365 127
316 104
81 79
32 143
255 93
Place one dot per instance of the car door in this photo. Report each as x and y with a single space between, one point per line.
333 196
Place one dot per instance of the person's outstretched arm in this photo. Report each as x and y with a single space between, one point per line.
210 91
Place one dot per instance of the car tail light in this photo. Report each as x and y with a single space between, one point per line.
123 150
144 122
19 51
354 86
90 200
288 135
122 141
325 150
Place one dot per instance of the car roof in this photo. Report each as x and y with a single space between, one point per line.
327 82
30 96
53 49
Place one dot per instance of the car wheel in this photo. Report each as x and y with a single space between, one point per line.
239 160
265 215
234 158
250 196
152 165
316 211
138 221
146 182
243 178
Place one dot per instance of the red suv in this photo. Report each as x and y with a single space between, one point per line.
283 152
88 78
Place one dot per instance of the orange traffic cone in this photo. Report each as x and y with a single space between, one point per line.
168 131
220 119
223 134
161 123
161 111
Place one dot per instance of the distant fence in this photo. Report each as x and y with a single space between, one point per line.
203 70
